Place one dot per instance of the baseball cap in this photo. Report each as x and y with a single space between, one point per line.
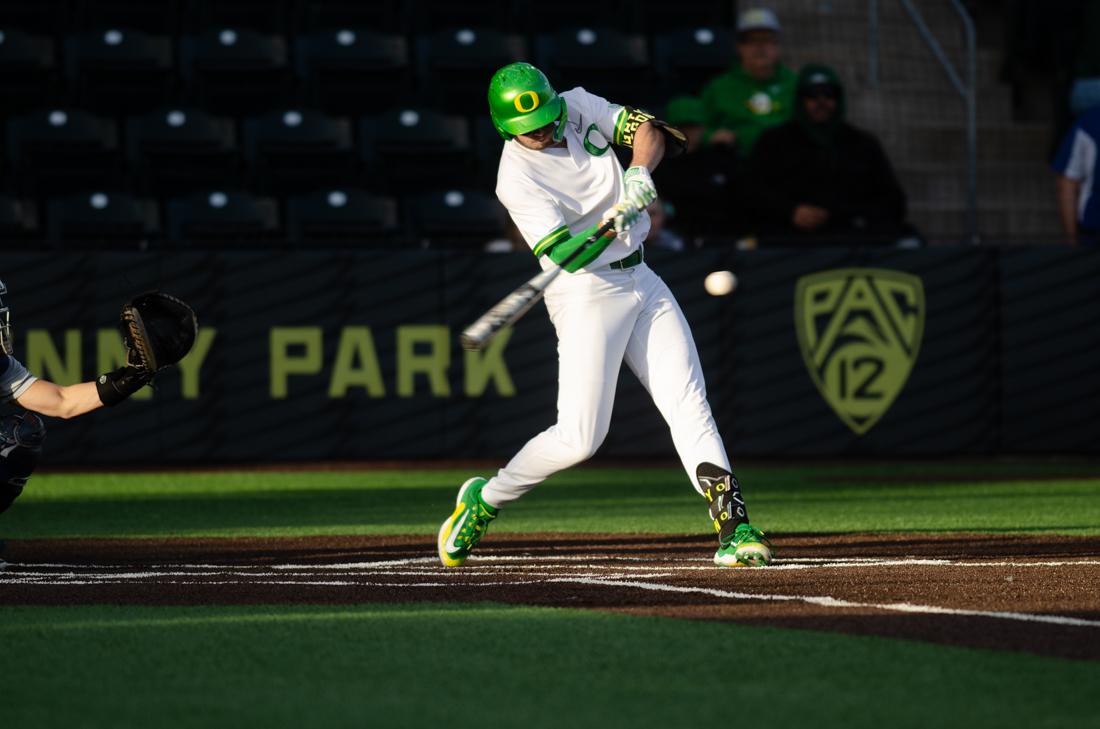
757 19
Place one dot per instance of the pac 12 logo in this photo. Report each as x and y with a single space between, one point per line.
859 330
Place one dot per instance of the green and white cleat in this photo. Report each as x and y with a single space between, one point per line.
748 548
467 525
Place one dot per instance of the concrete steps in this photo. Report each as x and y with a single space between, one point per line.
894 105
944 186
918 69
944 143
1018 225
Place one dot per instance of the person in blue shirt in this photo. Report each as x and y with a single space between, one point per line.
1076 165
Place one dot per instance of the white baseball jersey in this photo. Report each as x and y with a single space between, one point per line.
14 378
554 194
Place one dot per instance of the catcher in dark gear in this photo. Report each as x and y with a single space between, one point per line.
158 331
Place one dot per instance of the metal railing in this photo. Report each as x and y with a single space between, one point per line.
968 90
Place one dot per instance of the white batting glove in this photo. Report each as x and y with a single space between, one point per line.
638 187
624 215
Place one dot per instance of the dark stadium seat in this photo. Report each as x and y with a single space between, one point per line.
264 16
353 70
487 148
343 217
104 220
383 16
227 218
428 16
172 151
687 58
457 218
29 75
18 221
455 65
605 61
415 149
161 17
42 17
296 150
59 150
236 71
537 18
117 71
658 16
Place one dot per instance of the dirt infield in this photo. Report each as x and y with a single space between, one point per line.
1039 594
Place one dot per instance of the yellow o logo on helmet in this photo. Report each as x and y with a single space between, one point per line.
520 107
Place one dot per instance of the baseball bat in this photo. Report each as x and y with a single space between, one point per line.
513 306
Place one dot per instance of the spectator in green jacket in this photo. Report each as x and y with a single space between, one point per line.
756 93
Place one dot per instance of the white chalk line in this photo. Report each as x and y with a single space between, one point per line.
527 563
827 601
490 565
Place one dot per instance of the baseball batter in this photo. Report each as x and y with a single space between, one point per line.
559 179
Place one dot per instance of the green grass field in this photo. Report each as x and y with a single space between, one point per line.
495 665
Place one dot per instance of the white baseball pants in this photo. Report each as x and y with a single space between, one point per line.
602 318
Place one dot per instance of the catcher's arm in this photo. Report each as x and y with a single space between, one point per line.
57 401
158 331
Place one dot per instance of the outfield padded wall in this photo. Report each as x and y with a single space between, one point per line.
1006 360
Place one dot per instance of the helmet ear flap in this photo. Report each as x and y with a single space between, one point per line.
507 137
563 117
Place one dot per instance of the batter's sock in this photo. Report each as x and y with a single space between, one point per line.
724 499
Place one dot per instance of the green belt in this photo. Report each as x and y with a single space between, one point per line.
630 261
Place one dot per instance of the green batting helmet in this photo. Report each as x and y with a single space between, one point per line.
521 100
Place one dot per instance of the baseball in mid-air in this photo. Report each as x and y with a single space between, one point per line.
720 283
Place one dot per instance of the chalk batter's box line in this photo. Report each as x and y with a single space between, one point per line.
617 576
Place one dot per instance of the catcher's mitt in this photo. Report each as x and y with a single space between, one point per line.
158 329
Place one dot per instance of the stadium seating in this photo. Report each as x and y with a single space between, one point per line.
687 58
58 150
236 71
605 61
400 85
18 220
343 216
428 16
42 17
102 220
225 218
415 149
297 150
171 151
29 77
463 218
119 71
159 18
454 65
386 16
271 17
353 70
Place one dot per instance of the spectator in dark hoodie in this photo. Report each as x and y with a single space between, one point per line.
819 180
699 185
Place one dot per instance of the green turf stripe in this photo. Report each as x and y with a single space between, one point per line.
417 665
656 500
